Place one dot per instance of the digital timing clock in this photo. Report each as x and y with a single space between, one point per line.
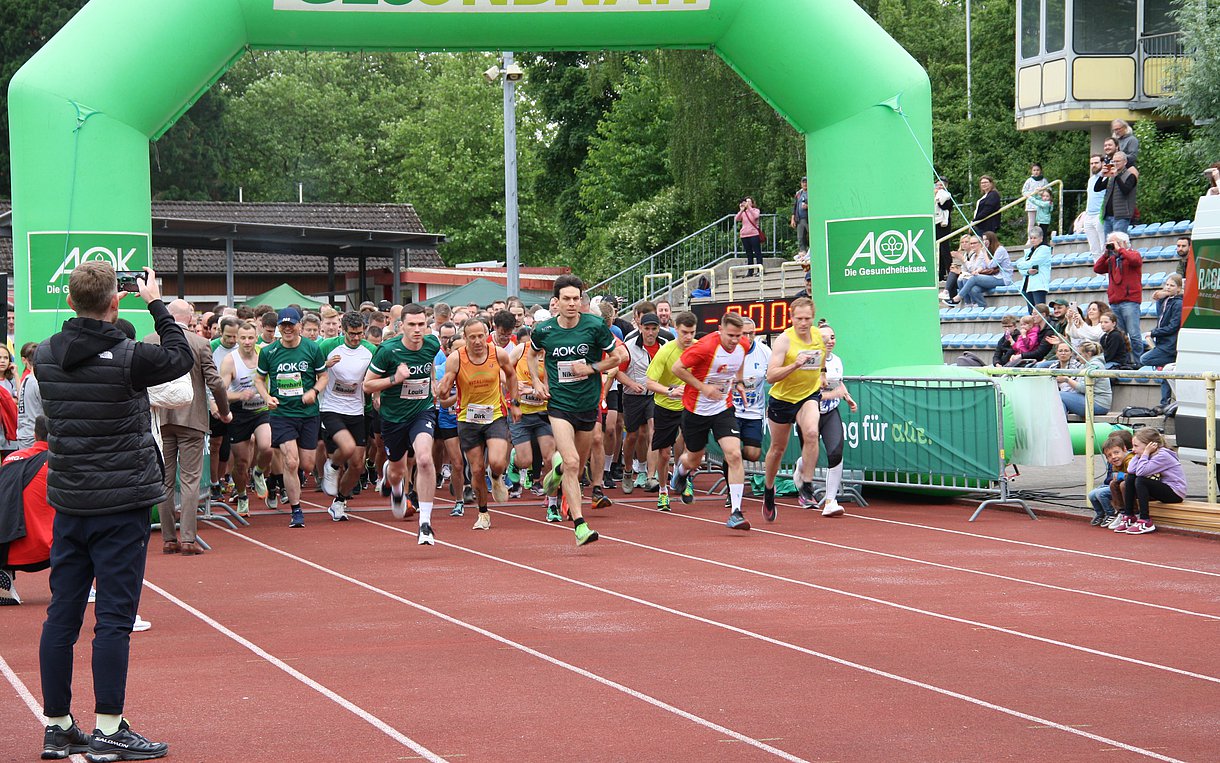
770 317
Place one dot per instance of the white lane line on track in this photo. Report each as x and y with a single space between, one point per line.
333 696
894 605
1030 544
704 722
954 568
27 697
766 639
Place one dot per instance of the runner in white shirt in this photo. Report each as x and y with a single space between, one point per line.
251 422
750 404
711 369
342 411
223 345
831 427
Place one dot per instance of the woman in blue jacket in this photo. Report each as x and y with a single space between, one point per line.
1036 267
1165 335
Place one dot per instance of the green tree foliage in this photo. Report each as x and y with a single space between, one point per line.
1198 84
24 28
445 155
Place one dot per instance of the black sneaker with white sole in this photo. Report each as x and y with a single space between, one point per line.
123 744
58 743
8 589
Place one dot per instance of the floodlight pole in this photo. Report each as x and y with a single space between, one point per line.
513 258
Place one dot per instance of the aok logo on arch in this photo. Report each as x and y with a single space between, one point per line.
53 255
880 254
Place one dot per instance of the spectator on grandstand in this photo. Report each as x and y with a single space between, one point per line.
987 208
1126 141
1073 399
1124 290
1115 344
1003 348
994 268
1036 267
1118 180
751 235
965 263
1030 188
1065 359
800 216
1165 334
1043 204
1182 247
1086 327
942 202
1031 343
1094 203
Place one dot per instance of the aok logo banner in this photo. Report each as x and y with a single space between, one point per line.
491 6
880 254
53 255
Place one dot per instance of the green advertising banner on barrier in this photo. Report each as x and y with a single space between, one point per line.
947 428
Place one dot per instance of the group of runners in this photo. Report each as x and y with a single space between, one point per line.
482 407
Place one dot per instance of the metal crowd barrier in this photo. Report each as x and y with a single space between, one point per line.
1091 375
894 467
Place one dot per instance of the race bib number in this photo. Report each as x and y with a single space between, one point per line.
289 384
813 359
345 388
566 373
415 389
531 398
480 414
256 403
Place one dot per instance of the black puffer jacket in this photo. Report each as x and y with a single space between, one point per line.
94 383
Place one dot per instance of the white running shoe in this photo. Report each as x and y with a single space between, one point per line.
831 508
483 522
330 478
426 538
338 511
8 588
499 491
141 625
398 503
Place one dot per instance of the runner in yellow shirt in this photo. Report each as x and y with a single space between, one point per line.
798 359
667 415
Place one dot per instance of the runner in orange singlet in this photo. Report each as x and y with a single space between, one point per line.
482 426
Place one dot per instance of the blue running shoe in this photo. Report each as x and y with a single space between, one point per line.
737 521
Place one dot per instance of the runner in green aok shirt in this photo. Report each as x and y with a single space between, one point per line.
578 348
401 371
291 373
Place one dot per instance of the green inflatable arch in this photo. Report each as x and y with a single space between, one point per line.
83 110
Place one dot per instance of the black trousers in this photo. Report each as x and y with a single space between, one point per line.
1142 489
753 249
112 549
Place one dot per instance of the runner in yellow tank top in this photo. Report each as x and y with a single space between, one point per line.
534 425
795 374
482 426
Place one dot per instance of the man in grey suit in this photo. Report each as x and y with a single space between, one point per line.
183 431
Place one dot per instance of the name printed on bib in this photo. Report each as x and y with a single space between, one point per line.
415 389
345 388
289 384
480 414
566 373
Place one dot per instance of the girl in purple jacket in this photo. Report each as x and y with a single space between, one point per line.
1155 473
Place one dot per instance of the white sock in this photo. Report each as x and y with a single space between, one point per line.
609 460
636 466
552 501
425 512
108 724
834 478
62 721
680 468
735 495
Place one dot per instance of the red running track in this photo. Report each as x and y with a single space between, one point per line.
896 631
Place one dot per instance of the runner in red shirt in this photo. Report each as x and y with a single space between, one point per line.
711 368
